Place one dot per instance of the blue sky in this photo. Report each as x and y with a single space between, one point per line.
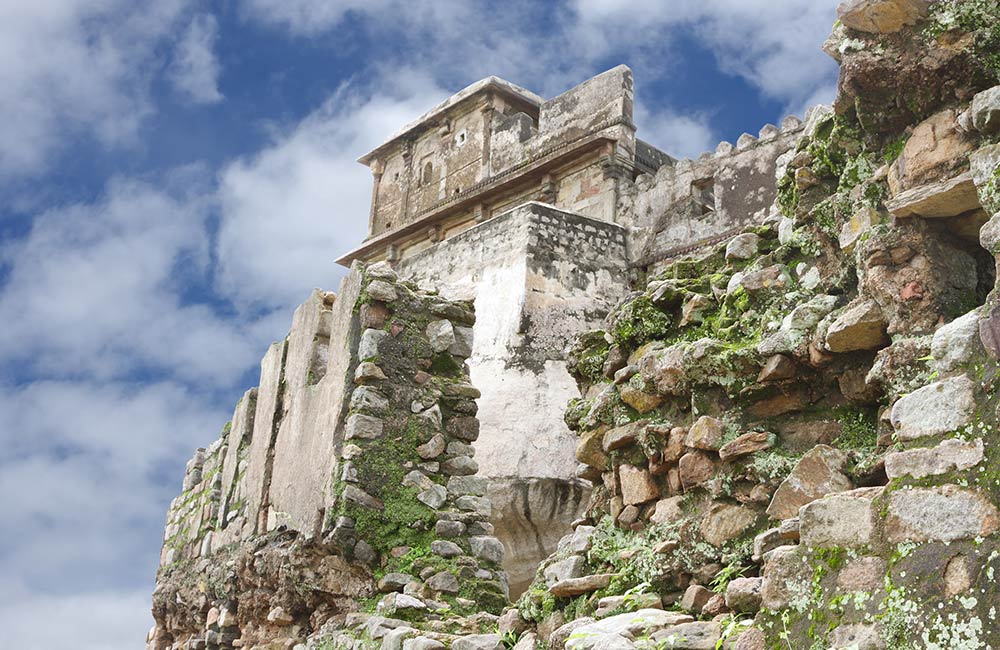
176 176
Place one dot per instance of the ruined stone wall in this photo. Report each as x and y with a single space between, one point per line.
691 202
354 454
542 275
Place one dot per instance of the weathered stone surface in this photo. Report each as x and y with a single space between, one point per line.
881 16
579 541
363 426
487 548
667 510
590 449
746 444
422 643
844 519
477 642
776 368
444 582
444 548
947 456
623 436
859 223
742 247
856 636
706 433
943 514
566 569
694 598
947 198
695 467
957 343
394 581
818 473
641 401
370 340
629 626
743 595
986 110
441 335
577 586
726 521
637 485
938 408
696 635
862 574
860 327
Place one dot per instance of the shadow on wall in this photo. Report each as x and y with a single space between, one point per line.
530 516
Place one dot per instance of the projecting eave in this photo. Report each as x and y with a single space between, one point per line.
494 84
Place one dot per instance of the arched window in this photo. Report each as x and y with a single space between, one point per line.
425 177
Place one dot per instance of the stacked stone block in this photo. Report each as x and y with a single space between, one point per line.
407 482
353 455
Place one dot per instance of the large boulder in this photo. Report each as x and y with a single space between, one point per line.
881 16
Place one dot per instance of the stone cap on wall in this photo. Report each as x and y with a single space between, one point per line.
481 87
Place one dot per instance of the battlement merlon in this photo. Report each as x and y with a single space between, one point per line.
494 146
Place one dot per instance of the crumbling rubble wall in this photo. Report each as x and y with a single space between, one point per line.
351 461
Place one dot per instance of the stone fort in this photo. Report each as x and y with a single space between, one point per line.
540 213
577 394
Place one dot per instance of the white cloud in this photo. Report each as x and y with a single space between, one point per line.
74 67
112 620
195 69
97 289
81 474
773 45
291 210
679 135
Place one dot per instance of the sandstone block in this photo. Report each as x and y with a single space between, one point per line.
366 398
748 443
777 367
487 548
432 448
860 327
578 586
462 347
986 110
369 344
696 467
696 635
859 223
957 343
742 247
629 625
444 582
818 472
468 485
641 401
667 510
460 466
433 497
845 519
942 514
478 642
382 290
440 334
637 485
947 198
694 598
941 407
949 455
567 569
623 436
862 574
743 595
590 449
881 16
706 433
446 528
366 427
444 548
724 522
